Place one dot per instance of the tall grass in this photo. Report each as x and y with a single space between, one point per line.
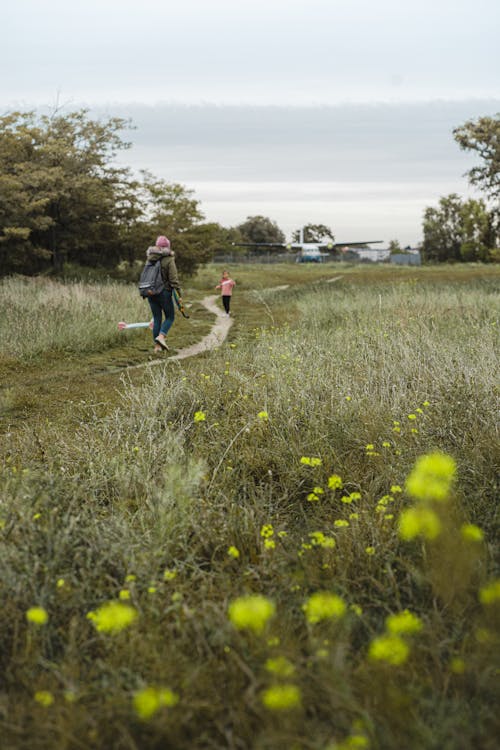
217 455
41 315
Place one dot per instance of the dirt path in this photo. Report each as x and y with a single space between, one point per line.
217 334
212 340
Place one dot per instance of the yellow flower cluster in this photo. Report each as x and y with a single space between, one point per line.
251 612
351 497
150 699
324 605
311 461
233 552
403 623
490 593
389 648
430 481
319 539
471 533
199 416
281 697
263 415
44 698
419 521
112 617
432 477
267 531
169 575
37 616
280 666
335 482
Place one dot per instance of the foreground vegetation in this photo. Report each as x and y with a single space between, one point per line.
284 467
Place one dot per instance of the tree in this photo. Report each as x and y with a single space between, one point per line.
59 190
170 209
314 233
458 231
395 247
261 229
63 200
483 136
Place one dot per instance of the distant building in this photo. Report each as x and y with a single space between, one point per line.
366 254
408 257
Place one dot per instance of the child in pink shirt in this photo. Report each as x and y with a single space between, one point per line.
226 289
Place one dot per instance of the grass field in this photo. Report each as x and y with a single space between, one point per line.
288 542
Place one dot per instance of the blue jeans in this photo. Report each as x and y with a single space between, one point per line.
162 303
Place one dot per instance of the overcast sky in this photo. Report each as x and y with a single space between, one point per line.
145 58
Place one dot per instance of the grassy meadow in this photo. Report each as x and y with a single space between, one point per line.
290 542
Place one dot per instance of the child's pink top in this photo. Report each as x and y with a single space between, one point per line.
226 287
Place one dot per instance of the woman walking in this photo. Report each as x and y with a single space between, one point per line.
162 303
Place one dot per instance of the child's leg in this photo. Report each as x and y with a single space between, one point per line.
226 301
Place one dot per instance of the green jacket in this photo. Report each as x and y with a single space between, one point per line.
168 268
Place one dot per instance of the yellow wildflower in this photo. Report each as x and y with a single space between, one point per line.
281 697
370 550
403 623
150 699
263 415
199 416
130 578
323 606
312 497
37 615
412 417
457 665
267 531
341 523
389 648
311 461
280 666
419 522
490 593
319 539
335 482
251 612
233 551
471 533
61 583
431 477
112 617
124 594
269 543
44 698
395 488
169 575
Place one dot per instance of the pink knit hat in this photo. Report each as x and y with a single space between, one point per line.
162 241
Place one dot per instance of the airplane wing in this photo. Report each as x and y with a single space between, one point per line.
298 245
259 244
331 245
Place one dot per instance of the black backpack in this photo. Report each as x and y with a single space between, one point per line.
151 281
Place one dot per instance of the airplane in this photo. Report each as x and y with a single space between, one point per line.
307 252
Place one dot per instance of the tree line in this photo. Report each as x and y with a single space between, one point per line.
65 200
458 230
